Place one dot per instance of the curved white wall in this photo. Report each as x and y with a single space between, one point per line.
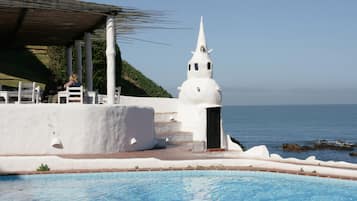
200 91
82 129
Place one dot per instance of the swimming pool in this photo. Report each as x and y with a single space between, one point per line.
175 185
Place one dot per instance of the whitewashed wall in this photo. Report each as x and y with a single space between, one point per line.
82 129
193 118
159 104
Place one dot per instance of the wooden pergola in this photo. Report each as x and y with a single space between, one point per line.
66 23
60 22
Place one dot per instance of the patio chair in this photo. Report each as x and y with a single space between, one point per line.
27 93
5 96
91 97
103 99
72 95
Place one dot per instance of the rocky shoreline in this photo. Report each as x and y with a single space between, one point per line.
336 145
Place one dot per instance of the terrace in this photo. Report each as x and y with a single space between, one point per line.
68 23
70 128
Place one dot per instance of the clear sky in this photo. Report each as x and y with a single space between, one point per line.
265 51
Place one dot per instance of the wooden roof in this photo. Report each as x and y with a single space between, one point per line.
56 22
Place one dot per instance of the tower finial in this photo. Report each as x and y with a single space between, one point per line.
201 41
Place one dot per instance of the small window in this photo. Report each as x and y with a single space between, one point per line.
203 49
209 65
189 67
196 66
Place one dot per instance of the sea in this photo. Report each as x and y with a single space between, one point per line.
297 124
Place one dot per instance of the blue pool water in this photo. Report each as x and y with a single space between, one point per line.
300 124
180 185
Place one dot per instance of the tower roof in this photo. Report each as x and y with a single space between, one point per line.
201 41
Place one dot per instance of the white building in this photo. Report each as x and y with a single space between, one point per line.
195 116
200 97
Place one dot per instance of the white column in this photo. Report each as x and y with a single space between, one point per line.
110 52
89 62
77 44
69 61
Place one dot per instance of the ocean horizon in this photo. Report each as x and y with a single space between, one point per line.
275 125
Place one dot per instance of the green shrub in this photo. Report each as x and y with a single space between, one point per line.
43 167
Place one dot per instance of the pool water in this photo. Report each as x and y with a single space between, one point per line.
175 185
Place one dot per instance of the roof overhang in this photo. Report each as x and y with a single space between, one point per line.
55 22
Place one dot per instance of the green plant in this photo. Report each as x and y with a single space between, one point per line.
43 167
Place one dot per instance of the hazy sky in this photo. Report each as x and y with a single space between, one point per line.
265 52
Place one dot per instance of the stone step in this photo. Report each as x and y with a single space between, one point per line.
176 137
165 116
167 127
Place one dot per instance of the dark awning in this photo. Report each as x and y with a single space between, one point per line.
57 22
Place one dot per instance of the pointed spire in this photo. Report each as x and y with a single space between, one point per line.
201 41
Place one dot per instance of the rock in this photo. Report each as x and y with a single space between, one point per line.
353 154
291 147
333 145
237 142
311 158
257 152
295 147
320 145
275 157
233 144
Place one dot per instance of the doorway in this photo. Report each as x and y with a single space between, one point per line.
214 128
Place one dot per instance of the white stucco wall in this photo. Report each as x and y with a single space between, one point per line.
159 104
193 119
31 128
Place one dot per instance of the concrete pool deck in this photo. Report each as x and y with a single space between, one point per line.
174 157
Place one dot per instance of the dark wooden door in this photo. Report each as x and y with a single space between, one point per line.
213 128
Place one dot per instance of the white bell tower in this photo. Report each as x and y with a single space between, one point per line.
200 102
200 88
199 94
200 65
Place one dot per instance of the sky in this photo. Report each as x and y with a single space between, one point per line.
265 52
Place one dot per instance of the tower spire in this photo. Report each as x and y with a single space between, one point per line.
200 64
201 41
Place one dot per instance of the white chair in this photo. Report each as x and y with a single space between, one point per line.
5 96
27 93
103 99
72 95
91 97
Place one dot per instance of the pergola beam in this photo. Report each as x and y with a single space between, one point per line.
19 22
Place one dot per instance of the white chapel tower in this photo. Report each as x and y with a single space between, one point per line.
200 88
200 97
